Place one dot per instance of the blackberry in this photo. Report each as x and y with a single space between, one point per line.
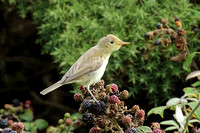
159 25
99 107
4 123
87 104
87 118
16 102
6 130
146 35
131 130
116 93
157 42
13 132
176 19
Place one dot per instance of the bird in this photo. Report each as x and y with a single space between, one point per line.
90 67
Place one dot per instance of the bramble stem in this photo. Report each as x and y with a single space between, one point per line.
189 116
117 125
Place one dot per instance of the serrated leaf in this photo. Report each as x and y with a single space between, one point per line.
171 128
170 122
144 129
41 124
197 112
27 116
157 110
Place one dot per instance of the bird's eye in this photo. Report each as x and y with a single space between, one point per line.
111 42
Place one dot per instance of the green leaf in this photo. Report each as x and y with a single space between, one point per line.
144 129
188 61
171 128
194 121
197 112
196 84
27 116
27 126
190 90
157 110
169 122
41 124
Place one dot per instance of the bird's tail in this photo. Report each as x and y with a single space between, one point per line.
51 88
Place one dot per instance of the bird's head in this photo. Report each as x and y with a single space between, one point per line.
111 43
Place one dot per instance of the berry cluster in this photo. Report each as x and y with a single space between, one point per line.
108 113
9 115
164 36
64 124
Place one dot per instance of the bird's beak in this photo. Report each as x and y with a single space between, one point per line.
124 43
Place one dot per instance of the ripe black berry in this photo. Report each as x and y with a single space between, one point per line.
87 118
13 132
6 130
146 35
87 104
159 25
99 107
4 123
176 19
16 102
173 37
157 42
131 130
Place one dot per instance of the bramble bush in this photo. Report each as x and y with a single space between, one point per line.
66 29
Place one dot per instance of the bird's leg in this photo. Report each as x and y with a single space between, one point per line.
88 88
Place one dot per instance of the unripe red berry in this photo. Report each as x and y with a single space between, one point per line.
155 125
113 99
157 131
28 102
135 108
77 97
127 120
68 121
140 113
114 87
124 94
94 130
19 127
81 88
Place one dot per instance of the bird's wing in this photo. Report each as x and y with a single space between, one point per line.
81 68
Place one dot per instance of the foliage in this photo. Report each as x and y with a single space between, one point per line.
187 110
18 112
68 28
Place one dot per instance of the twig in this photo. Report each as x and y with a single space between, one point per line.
190 115
117 126
50 103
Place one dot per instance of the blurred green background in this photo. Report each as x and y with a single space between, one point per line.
41 39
